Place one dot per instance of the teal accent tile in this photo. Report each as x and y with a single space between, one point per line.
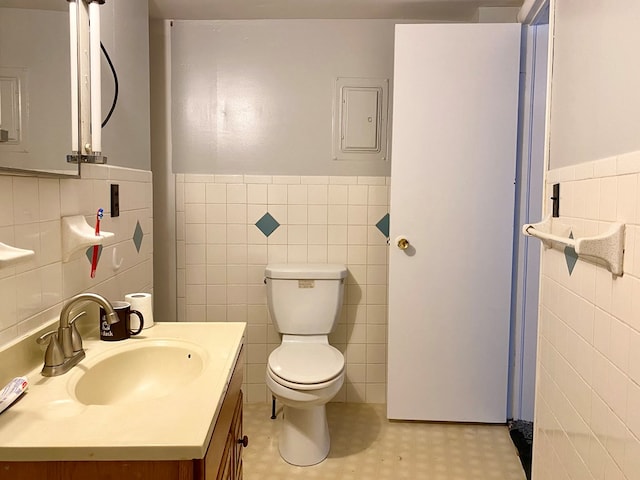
383 225
267 224
89 253
137 236
570 256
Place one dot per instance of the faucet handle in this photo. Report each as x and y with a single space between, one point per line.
76 339
43 339
53 355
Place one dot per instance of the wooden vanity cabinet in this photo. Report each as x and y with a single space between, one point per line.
223 460
230 465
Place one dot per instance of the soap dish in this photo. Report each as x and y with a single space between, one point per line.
10 256
77 235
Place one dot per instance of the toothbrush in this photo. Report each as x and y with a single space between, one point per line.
94 257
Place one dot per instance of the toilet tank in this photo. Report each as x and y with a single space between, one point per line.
305 299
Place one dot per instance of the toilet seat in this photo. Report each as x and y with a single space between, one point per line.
300 365
303 387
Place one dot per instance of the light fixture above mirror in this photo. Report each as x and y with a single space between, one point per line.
86 108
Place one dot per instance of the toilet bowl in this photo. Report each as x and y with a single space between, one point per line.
305 372
304 437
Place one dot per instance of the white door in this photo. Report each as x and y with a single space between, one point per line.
452 196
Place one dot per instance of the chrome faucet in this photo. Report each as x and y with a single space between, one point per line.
65 344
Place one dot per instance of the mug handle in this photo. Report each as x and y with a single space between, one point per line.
135 312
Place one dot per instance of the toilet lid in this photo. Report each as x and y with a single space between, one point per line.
306 363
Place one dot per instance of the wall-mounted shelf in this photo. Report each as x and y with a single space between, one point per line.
10 256
608 247
78 235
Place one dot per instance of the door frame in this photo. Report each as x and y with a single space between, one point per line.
536 47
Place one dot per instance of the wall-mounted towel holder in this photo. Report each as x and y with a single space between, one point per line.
77 235
608 247
10 256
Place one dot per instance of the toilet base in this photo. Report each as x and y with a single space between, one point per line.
304 438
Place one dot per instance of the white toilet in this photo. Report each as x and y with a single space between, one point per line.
305 372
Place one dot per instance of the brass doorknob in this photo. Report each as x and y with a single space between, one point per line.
402 243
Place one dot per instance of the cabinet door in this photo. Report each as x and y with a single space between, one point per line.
236 433
226 471
231 463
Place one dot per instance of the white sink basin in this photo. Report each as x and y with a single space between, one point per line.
138 372
152 397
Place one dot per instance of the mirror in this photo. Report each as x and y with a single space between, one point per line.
35 97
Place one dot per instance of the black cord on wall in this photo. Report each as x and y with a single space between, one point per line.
115 82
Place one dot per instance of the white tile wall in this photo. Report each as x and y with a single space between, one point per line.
31 208
588 390
222 256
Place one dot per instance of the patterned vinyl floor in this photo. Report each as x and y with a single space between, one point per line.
365 445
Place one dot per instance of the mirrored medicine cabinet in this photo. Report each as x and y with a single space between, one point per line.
35 88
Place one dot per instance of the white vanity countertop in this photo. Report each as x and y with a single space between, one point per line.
48 423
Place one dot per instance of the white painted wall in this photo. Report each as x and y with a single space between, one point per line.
256 97
498 14
594 113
